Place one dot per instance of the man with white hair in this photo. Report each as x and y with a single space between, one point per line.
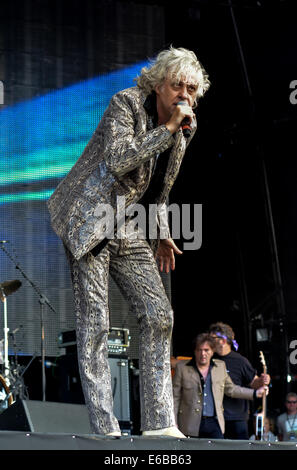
134 154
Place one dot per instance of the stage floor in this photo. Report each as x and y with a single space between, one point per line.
20 440
60 450
49 428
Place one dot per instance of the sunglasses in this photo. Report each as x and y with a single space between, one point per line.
292 402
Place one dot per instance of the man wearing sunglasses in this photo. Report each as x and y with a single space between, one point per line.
287 422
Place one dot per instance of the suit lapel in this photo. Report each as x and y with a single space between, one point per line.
174 162
176 154
193 376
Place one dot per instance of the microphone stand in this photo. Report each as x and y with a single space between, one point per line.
6 330
43 300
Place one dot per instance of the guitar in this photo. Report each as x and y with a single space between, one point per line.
260 419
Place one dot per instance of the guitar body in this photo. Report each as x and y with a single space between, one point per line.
259 427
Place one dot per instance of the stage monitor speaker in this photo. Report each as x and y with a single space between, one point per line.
49 417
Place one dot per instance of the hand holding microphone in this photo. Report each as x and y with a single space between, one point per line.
181 117
186 123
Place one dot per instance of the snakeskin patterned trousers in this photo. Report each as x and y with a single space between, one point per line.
132 266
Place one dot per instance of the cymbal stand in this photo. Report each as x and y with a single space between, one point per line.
17 385
6 330
43 300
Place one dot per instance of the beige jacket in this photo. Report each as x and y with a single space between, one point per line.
118 161
188 395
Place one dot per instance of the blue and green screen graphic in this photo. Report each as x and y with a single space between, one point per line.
42 138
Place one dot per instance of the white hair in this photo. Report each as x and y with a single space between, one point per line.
175 63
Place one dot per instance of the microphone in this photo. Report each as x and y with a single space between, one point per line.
185 125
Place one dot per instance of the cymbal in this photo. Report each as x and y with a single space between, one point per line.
8 287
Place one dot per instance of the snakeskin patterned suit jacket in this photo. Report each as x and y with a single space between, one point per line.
118 161
188 394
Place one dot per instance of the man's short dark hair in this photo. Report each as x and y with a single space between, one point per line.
204 338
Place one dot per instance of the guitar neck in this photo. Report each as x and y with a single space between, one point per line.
264 406
264 399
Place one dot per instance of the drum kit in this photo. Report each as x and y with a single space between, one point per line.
11 379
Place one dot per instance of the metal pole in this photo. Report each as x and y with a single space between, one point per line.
269 215
6 330
42 351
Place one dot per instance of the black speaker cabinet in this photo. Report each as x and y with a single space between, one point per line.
70 384
120 382
49 417
65 417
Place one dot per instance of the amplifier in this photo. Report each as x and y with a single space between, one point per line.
118 340
70 389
